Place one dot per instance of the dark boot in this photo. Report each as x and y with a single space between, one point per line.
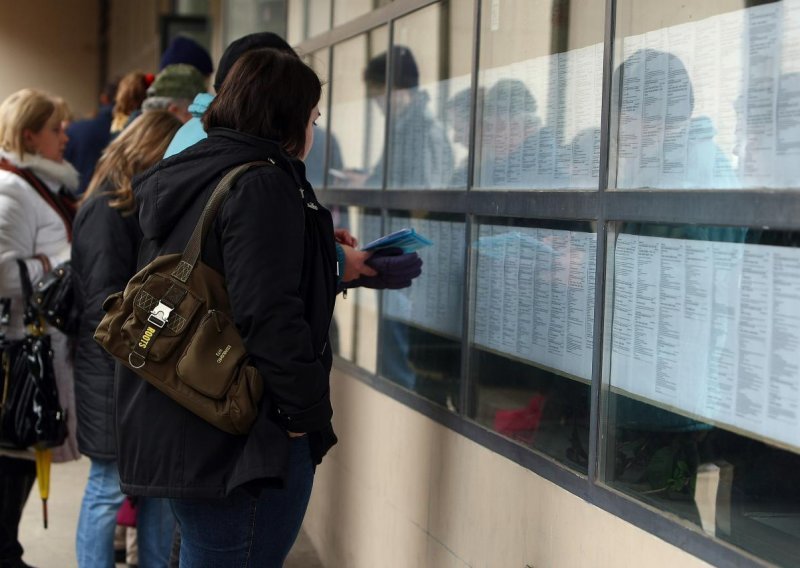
16 480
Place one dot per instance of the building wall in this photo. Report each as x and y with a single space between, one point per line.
400 490
134 36
55 49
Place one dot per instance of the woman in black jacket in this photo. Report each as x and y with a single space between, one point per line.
106 240
240 500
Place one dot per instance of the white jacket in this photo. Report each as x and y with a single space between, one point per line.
29 226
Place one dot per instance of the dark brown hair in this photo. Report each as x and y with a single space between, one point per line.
269 94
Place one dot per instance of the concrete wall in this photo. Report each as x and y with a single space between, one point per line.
402 491
134 40
49 46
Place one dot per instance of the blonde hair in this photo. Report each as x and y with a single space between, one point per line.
137 148
131 93
28 109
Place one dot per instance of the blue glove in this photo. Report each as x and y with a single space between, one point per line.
395 270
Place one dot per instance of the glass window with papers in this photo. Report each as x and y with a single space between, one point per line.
421 328
354 329
703 405
307 18
539 100
429 97
532 333
706 95
356 121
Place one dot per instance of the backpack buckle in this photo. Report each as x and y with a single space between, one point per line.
160 314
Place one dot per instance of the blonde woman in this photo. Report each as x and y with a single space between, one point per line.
104 256
35 226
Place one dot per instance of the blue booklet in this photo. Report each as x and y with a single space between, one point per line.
407 239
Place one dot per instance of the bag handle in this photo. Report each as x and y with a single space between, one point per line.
193 248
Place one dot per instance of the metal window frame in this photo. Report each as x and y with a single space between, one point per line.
767 208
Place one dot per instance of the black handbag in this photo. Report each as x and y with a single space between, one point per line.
54 298
30 412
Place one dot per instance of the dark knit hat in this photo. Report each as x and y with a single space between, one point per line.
178 82
406 72
185 50
241 46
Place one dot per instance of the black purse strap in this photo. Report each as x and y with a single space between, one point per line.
194 247
31 317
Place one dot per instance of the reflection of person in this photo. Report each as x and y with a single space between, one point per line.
419 153
660 143
510 154
35 226
240 500
457 112
104 251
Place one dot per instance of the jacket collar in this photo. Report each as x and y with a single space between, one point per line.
271 148
54 174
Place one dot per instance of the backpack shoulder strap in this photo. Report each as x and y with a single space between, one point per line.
192 251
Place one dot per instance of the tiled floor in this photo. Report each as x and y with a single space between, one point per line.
55 547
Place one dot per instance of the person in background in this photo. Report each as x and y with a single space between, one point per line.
173 90
89 137
240 500
104 251
36 227
131 93
184 50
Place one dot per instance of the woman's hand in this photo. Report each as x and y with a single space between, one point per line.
355 264
344 237
296 434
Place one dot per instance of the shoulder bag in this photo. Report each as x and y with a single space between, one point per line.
172 326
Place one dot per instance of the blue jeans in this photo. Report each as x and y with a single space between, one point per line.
244 531
101 501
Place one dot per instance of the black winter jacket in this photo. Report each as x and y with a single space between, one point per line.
274 244
105 245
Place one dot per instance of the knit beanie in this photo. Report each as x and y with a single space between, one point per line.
178 82
185 50
241 46
406 72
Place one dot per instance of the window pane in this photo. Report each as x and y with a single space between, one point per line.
531 348
354 330
540 95
315 161
346 10
242 17
708 95
421 328
356 122
307 18
704 385
431 58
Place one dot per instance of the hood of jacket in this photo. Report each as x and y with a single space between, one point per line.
200 104
165 191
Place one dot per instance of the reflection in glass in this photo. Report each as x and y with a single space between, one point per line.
315 161
346 10
354 329
533 334
704 403
356 122
307 18
421 331
430 67
541 95
711 100
242 17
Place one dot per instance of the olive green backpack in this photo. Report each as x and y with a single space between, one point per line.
172 326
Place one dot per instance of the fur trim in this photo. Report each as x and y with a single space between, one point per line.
62 173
